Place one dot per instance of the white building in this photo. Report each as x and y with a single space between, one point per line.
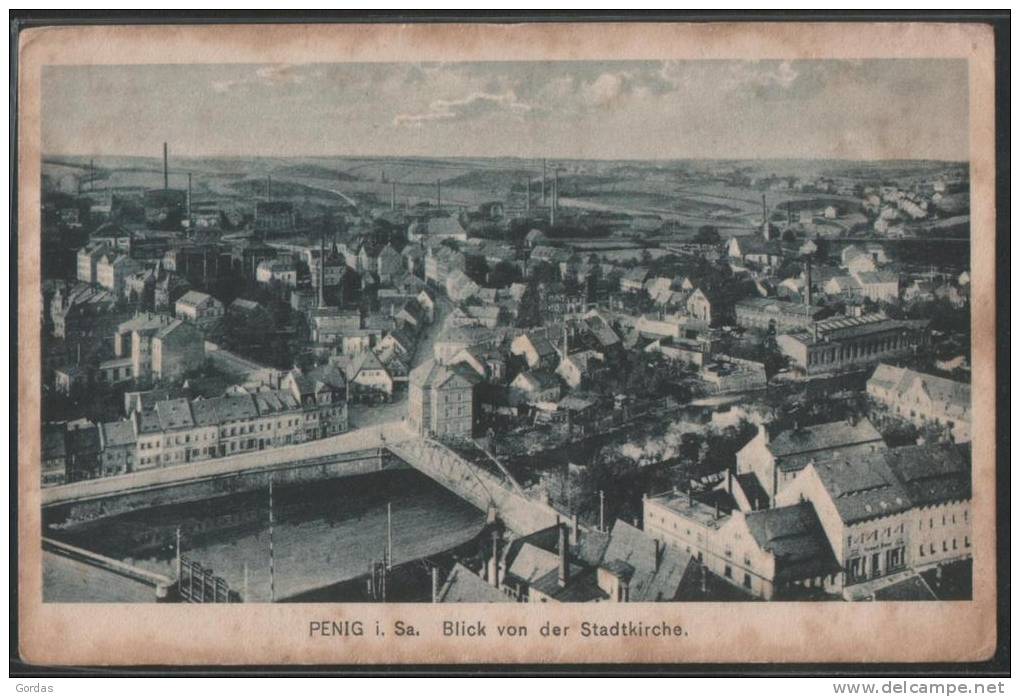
923 399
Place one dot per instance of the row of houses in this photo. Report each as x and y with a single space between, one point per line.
174 431
565 564
847 525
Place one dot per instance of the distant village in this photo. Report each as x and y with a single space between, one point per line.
783 413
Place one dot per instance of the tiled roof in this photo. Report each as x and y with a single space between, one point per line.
794 535
194 298
463 586
837 434
116 433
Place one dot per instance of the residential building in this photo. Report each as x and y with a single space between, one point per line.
459 287
368 378
904 509
923 399
277 270
437 229
389 264
771 554
89 257
118 444
536 349
112 272
755 250
201 309
176 349
489 363
879 286
579 366
634 280
54 454
539 385
777 460
441 399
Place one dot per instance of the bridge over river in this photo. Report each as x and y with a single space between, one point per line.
371 449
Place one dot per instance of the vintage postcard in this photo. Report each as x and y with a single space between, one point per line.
530 343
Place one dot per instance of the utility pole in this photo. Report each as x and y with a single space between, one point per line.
389 536
602 510
178 557
272 569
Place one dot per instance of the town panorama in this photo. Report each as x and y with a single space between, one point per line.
504 379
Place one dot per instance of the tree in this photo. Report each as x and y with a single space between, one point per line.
503 274
707 234
529 313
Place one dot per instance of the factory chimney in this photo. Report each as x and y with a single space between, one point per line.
92 175
807 283
439 194
322 270
189 199
544 175
269 188
527 200
393 196
166 170
764 211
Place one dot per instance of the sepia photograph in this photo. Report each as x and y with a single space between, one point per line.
684 330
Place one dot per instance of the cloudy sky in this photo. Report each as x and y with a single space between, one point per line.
879 109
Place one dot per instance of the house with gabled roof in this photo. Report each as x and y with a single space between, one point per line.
922 399
777 460
368 378
441 399
889 513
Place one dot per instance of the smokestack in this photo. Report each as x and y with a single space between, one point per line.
439 194
494 560
269 188
764 210
166 168
189 199
92 175
556 188
807 294
527 201
544 176
564 564
393 196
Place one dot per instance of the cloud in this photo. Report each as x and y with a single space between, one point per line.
267 75
606 88
472 106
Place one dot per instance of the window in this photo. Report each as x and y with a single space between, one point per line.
728 571
747 580
921 550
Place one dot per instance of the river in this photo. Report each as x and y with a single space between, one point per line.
324 532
